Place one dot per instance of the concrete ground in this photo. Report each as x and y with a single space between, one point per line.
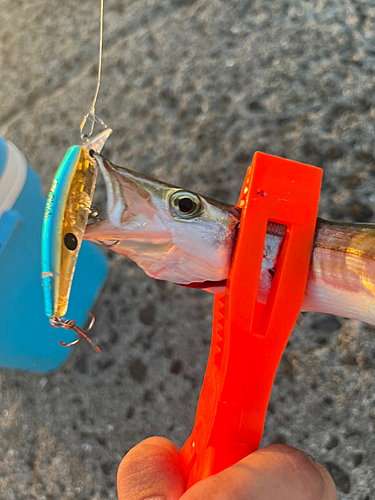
192 89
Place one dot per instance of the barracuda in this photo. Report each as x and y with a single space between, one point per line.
188 239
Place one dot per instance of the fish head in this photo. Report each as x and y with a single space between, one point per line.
172 234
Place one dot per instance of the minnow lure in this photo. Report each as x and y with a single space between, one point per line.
67 211
188 239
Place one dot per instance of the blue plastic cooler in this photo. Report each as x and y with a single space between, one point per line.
27 341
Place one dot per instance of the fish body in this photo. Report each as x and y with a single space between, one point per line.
188 239
341 277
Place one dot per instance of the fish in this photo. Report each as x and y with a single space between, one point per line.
188 239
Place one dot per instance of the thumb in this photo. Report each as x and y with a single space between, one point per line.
151 470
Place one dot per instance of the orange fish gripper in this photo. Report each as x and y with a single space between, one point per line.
248 337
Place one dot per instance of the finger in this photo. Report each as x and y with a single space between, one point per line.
151 470
275 472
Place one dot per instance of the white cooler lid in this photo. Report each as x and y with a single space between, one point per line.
12 177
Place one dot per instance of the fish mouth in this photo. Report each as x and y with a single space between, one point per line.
131 196
132 214
101 231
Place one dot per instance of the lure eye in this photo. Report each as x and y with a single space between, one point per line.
70 241
185 205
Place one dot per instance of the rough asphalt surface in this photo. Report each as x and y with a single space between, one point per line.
192 89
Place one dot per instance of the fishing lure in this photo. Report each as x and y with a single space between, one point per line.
69 205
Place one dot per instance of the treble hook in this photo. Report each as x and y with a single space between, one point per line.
72 325
94 213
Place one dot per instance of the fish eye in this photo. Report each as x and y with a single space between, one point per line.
185 205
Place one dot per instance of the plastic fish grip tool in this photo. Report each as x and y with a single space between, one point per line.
249 337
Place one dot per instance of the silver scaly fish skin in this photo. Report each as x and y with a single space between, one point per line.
188 239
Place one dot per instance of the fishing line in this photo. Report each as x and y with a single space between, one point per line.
91 116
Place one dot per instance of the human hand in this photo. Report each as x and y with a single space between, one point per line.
151 470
